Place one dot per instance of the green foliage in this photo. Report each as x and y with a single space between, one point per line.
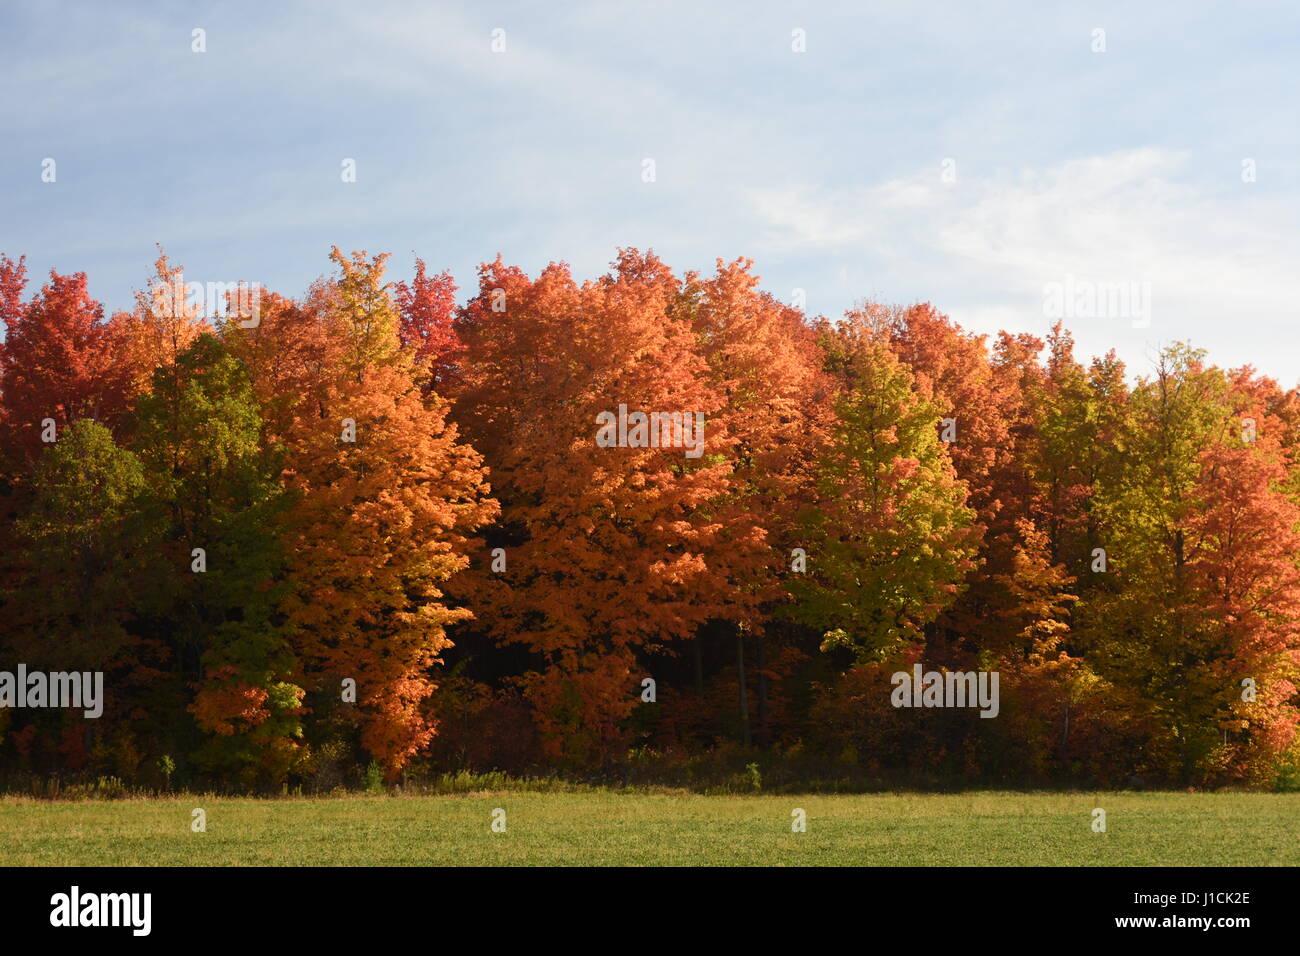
167 767
890 532
200 433
90 534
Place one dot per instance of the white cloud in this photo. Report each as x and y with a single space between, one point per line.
1215 254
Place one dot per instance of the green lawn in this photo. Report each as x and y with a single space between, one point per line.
635 828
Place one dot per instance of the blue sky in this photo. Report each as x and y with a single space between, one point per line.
826 167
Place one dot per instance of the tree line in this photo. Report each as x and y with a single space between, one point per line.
371 525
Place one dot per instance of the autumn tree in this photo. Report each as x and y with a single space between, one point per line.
981 413
1079 447
200 436
13 279
427 305
762 360
386 496
891 537
161 326
1250 589
607 543
58 363
1202 544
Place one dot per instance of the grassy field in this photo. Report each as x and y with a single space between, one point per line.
637 828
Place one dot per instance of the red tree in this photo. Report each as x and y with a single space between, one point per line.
428 305
58 362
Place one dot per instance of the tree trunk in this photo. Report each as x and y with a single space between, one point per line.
744 691
697 659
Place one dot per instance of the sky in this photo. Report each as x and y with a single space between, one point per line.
1134 168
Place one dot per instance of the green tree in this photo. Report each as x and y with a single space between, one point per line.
80 592
87 537
1151 628
200 436
891 537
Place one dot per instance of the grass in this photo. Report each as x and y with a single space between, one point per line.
604 827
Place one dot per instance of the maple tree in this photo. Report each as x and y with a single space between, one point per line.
161 326
1204 578
763 360
13 279
200 440
891 538
58 363
605 545
428 308
385 499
